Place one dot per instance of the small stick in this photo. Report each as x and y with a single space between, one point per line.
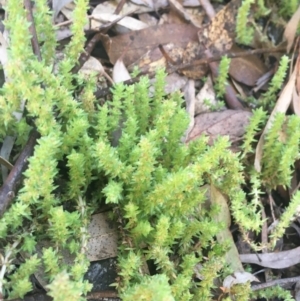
68 22
7 191
32 30
231 55
280 282
85 55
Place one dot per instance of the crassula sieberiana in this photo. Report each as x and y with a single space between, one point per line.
128 153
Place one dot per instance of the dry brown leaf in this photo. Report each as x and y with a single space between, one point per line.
246 70
291 28
281 106
228 122
179 41
154 59
276 260
135 45
232 255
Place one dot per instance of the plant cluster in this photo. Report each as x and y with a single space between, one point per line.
42 210
246 26
128 153
158 185
221 80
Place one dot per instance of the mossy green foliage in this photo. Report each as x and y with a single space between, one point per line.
221 80
128 153
39 212
281 145
268 98
243 31
247 28
287 8
280 151
155 181
273 292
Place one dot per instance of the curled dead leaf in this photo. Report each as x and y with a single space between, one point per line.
246 69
